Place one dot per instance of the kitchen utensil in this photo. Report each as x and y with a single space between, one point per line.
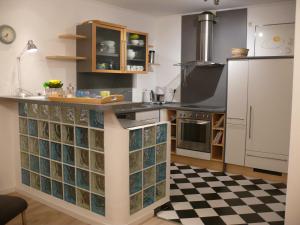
151 57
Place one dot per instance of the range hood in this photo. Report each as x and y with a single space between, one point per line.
206 21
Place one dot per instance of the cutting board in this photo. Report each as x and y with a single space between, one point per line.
87 100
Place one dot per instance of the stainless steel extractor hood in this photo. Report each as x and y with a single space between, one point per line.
206 21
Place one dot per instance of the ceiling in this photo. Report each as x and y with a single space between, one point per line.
169 7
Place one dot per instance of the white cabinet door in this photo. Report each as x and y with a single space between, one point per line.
235 144
237 90
269 105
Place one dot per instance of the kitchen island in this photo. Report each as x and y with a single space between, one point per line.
82 159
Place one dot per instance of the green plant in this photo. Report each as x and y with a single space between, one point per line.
53 84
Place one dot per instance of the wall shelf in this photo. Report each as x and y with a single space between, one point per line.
72 36
65 58
217 137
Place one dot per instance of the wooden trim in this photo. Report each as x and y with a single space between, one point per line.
100 22
23 214
65 58
94 47
72 36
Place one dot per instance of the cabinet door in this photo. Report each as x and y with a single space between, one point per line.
269 105
136 58
108 49
237 90
235 144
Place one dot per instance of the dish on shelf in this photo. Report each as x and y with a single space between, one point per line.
131 54
135 68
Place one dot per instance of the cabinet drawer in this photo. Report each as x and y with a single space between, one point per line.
149 115
267 163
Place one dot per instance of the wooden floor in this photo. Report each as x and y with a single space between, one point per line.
39 214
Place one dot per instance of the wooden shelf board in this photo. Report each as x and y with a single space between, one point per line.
65 58
220 145
173 124
217 159
218 128
173 138
72 36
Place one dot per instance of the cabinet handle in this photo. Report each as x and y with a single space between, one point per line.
250 122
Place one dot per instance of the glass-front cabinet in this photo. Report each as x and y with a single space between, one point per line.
111 48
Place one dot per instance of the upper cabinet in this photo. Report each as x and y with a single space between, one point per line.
111 48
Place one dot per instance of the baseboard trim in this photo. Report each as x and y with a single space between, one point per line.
7 190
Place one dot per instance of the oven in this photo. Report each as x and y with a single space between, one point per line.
194 134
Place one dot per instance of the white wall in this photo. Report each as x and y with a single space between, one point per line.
293 194
43 21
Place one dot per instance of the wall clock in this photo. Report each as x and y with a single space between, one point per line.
7 34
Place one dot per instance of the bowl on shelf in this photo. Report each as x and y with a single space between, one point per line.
135 42
239 52
109 43
131 54
141 43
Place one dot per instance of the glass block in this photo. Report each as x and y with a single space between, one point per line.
97 183
34 163
148 197
43 127
57 189
55 151
33 145
25 177
149 177
24 143
97 162
44 148
55 113
33 128
136 161
44 112
45 167
97 140
24 160
135 182
161 153
149 157
96 119
55 132
136 203
69 175
98 204
35 181
161 133
82 137
68 115
46 185
23 109
67 134
83 198
56 171
160 190
135 139
68 155
23 126
82 179
33 110
149 136
69 194
82 158
161 170
82 117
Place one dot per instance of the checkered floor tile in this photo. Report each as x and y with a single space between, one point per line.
201 196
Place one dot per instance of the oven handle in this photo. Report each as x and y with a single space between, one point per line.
199 122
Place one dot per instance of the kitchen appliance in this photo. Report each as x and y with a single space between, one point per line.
194 134
158 97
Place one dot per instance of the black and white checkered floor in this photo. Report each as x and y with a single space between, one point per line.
201 196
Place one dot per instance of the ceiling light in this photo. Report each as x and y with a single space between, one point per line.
217 2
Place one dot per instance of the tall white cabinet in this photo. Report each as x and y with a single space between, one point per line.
259 113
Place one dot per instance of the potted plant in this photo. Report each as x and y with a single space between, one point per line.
53 88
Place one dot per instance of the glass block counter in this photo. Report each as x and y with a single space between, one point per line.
82 159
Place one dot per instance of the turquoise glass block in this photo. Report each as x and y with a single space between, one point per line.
33 128
46 185
56 170
97 183
82 158
98 204
149 196
44 148
68 155
82 179
67 134
160 190
55 113
82 117
24 160
55 151
161 133
35 181
136 203
96 119
25 177
149 177
24 143
83 198
97 140
43 127
44 112
34 163
82 137
23 126
135 161
135 139
23 109
68 115
57 189
33 145
161 171
97 162
149 157
45 167
69 194
69 175
33 110
55 132
149 136
135 182
161 153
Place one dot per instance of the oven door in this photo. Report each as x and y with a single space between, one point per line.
194 135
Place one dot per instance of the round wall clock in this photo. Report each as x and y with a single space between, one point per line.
7 34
